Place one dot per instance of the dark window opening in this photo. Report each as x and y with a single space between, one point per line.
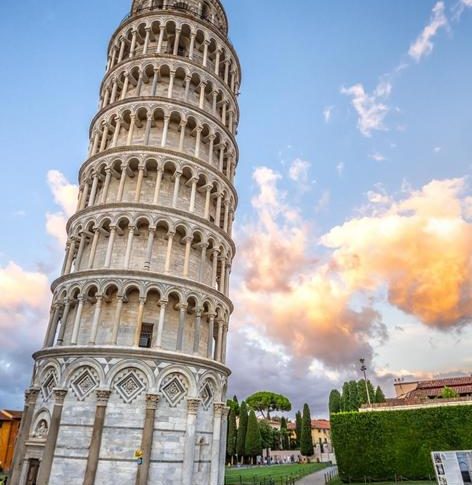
145 339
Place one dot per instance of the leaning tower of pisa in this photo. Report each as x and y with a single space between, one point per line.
134 356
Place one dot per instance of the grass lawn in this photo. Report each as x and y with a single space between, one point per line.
276 472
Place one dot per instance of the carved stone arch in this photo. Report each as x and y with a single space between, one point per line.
153 287
112 283
74 290
192 295
50 364
134 284
139 217
130 379
48 380
209 303
107 218
173 290
84 379
41 422
89 284
79 363
209 389
175 383
184 226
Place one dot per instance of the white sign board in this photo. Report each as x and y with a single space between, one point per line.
453 467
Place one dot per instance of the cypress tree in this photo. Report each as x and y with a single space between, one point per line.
379 395
334 401
231 444
306 443
242 431
253 445
298 428
354 402
346 401
285 443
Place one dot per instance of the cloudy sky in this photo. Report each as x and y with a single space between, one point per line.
354 225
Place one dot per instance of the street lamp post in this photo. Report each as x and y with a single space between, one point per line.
363 370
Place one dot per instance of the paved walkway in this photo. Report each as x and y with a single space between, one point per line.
317 478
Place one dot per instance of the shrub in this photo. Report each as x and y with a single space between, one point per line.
384 443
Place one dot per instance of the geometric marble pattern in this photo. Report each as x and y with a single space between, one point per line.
130 386
48 385
174 389
84 384
207 394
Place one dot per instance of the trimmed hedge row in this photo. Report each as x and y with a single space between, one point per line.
384 443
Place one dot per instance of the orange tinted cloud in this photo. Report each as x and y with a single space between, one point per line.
317 298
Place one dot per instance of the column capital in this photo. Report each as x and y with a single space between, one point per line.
193 405
59 395
182 306
163 302
152 401
103 395
187 239
31 395
218 408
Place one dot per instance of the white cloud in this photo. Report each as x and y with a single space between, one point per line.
423 45
299 171
340 168
327 113
371 108
437 149
65 195
378 157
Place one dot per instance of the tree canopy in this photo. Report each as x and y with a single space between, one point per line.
266 402
253 445
334 401
306 442
242 431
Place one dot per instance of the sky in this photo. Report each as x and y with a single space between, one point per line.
354 227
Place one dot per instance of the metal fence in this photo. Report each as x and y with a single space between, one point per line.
287 480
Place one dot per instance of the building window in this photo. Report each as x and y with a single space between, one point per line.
145 339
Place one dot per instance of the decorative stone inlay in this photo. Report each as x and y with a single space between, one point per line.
130 385
174 388
84 384
207 394
50 382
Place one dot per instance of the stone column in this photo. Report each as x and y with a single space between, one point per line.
133 44
160 326
139 321
176 189
219 344
176 41
129 246
147 133
146 40
207 201
78 317
52 327
193 194
215 447
217 62
169 251
160 40
142 476
116 323
189 449
111 242
171 84
93 192
80 251
93 249
203 257
49 449
150 244
154 82
65 314
211 338
180 332
183 124
206 44
198 138
188 246
31 395
139 184
116 134
193 34
198 326
129 140
224 343
121 187
224 436
212 147
96 441
96 319
165 131
157 188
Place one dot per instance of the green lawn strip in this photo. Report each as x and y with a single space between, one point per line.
233 475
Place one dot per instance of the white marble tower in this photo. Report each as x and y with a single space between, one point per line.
134 356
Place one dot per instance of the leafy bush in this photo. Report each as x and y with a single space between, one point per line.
384 443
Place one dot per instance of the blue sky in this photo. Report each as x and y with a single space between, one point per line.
304 65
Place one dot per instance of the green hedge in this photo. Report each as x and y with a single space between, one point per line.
382 444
